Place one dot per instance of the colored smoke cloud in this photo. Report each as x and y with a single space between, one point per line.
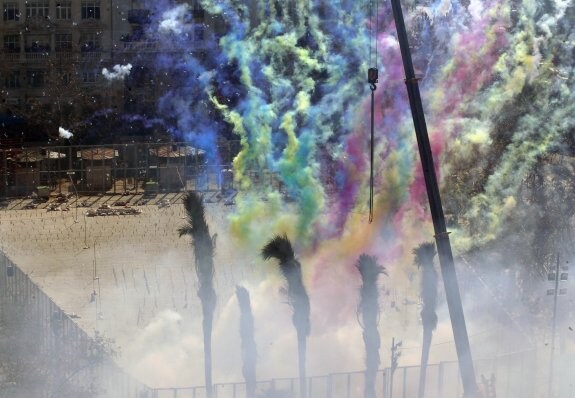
292 88
173 20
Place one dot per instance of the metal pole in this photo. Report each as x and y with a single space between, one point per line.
85 234
553 331
452 295
348 395
77 198
392 368
404 385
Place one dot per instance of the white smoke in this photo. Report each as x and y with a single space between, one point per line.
63 133
173 20
118 72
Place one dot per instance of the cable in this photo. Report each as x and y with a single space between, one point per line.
376 30
371 148
370 31
372 79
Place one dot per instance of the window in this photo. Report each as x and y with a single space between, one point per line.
12 80
37 9
35 78
64 10
89 76
11 12
90 9
66 77
63 42
90 42
12 43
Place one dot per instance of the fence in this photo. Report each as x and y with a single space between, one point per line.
115 168
43 351
514 375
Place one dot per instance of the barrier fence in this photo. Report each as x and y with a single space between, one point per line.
115 168
506 376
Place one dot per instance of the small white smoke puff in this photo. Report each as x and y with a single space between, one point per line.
173 20
119 72
65 133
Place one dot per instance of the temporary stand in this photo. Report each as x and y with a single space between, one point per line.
441 236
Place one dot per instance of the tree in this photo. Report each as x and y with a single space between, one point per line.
203 246
424 255
280 248
368 314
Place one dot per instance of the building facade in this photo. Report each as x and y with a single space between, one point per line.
52 45
53 53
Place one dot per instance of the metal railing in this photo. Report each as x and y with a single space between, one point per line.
514 376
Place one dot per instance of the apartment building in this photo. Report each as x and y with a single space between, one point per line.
53 53
51 44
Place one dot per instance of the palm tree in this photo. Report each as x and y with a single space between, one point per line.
280 248
203 245
368 313
248 341
424 255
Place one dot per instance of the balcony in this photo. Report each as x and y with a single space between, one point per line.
66 55
37 52
37 56
139 16
94 54
140 46
11 54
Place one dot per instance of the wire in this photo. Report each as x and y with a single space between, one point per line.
370 32
372 78
371 148
376 30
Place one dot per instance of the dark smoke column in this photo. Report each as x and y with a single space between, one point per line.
424 255
280 249
203 245
368 315
441 237
248 341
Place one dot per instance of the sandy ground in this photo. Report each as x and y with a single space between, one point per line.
137 265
